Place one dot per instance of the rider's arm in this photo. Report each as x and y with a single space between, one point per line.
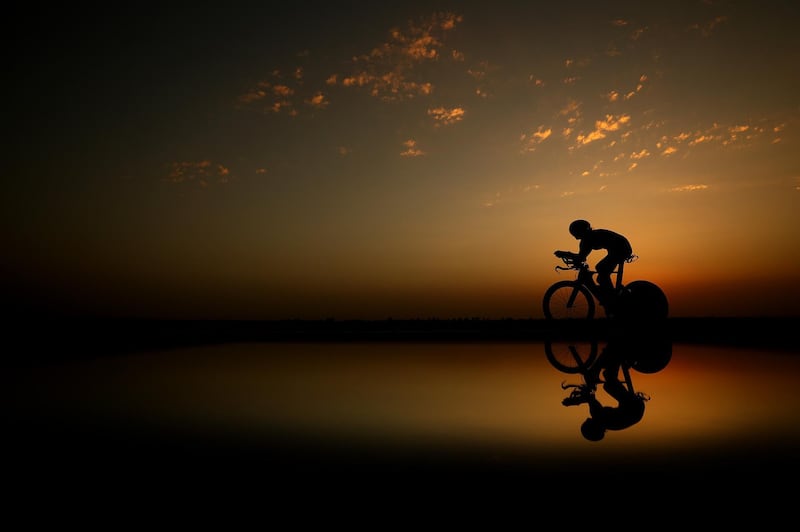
583 250
568 255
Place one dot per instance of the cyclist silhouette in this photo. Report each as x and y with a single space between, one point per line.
630 404
617 247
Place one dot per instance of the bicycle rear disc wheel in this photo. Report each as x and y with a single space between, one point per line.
643 300
567 300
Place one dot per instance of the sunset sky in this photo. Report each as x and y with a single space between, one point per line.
365 160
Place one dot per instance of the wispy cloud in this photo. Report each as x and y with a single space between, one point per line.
445 117
602 127
571 111
618 96
512 195
410 63
725 135
637 33
669 150
531 140
388 71
481 73
411 149
199 173
492 202
707 28
318 100
271 95
689 188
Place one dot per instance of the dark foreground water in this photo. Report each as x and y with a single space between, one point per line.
490 405
451 415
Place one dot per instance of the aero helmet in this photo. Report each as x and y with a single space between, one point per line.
579 228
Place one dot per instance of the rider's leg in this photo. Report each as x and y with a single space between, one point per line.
606 287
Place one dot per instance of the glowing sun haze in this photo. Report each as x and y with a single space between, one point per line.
423 160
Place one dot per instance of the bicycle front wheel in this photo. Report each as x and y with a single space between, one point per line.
568 300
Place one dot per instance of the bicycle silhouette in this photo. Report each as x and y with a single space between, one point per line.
578 298
612 368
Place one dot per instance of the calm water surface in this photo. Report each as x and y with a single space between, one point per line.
711 408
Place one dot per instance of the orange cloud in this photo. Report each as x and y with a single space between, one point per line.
388 70
444 116
318 100
411 149
688 188
529 142
610 123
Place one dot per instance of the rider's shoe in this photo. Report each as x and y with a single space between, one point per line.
575 399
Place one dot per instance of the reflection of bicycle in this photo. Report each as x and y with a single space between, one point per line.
575 299
644 353
644 356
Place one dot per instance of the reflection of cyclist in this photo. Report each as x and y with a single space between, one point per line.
630 404
629 409
617 247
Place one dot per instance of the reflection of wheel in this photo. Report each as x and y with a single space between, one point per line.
568 300
571 357
654 357
642 300
645 349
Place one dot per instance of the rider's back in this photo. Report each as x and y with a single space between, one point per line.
615 243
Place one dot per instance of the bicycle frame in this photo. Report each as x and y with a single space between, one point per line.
586 276
578 298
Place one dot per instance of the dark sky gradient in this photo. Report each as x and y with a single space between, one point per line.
417 159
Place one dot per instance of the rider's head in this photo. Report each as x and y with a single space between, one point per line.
592 429
579 228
